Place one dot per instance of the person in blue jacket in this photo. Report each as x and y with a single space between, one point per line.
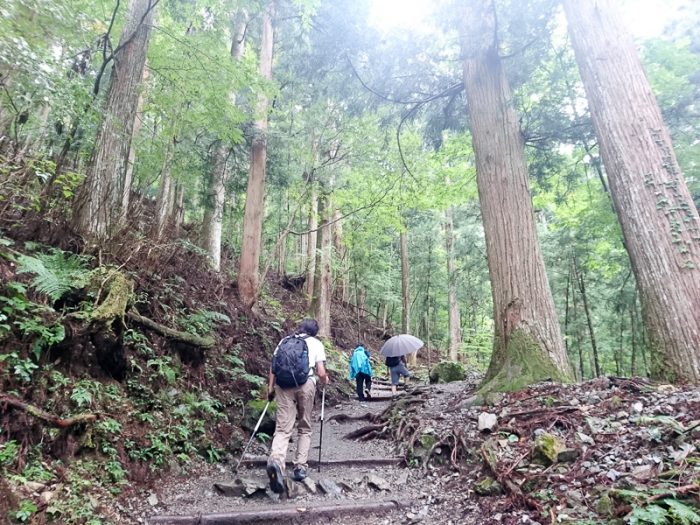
361 371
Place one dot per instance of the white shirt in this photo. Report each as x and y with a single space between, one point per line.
317 352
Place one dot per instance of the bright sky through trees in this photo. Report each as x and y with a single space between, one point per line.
645 18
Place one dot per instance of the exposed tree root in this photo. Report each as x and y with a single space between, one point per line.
360 432
185 337
489 457
45 416
342 418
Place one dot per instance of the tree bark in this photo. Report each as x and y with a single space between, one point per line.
254 205
166 188
339 248
527 341
589 320
214 214
179 211
322 311
452 305
659 221
131 160
312 241
405 292
101 197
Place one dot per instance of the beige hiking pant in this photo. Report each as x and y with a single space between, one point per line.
290 402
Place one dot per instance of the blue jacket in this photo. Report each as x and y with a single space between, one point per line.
359 362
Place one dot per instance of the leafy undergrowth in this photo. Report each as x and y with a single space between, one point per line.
610 450
93 405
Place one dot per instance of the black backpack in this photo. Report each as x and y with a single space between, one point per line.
290 364
392 361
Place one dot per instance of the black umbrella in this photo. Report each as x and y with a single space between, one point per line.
401 345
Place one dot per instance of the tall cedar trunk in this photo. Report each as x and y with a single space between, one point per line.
527 342
659 222
633 328
164 201
214 213
311 243
577 332
405 295
405 292
216 194
131 160
589 320
342 280
100 200
254 203
322 310
452 305
179 211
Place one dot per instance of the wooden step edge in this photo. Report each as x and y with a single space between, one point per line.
289 513
261 461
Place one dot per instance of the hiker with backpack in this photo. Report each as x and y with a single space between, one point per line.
397 368
361 371
293 382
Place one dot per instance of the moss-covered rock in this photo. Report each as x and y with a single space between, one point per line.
446 372
487 486
547 448
254 408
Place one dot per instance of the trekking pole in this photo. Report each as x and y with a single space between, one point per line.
320 437
257 426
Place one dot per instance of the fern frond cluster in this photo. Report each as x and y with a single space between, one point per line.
56 272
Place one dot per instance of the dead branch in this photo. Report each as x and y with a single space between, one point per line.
555 410
185 337
38 413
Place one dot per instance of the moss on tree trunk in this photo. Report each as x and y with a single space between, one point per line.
524 363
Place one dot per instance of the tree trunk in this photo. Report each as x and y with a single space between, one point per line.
322 310
527 341
312 241
589 321
342 281
179 211
659 222
452 305
633 335
255 194
577 332
166 187
131 160
405 293
100 200
214 214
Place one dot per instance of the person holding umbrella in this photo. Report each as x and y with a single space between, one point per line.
395 350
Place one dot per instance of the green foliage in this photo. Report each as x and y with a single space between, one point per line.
8 453
27 508
21 368
202 322
56 272
665 512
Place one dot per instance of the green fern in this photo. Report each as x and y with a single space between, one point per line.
56 272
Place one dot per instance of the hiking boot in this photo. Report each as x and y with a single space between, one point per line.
299 474
274 472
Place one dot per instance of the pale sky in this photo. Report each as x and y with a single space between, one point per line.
645 18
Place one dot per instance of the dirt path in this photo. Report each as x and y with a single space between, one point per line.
361 479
